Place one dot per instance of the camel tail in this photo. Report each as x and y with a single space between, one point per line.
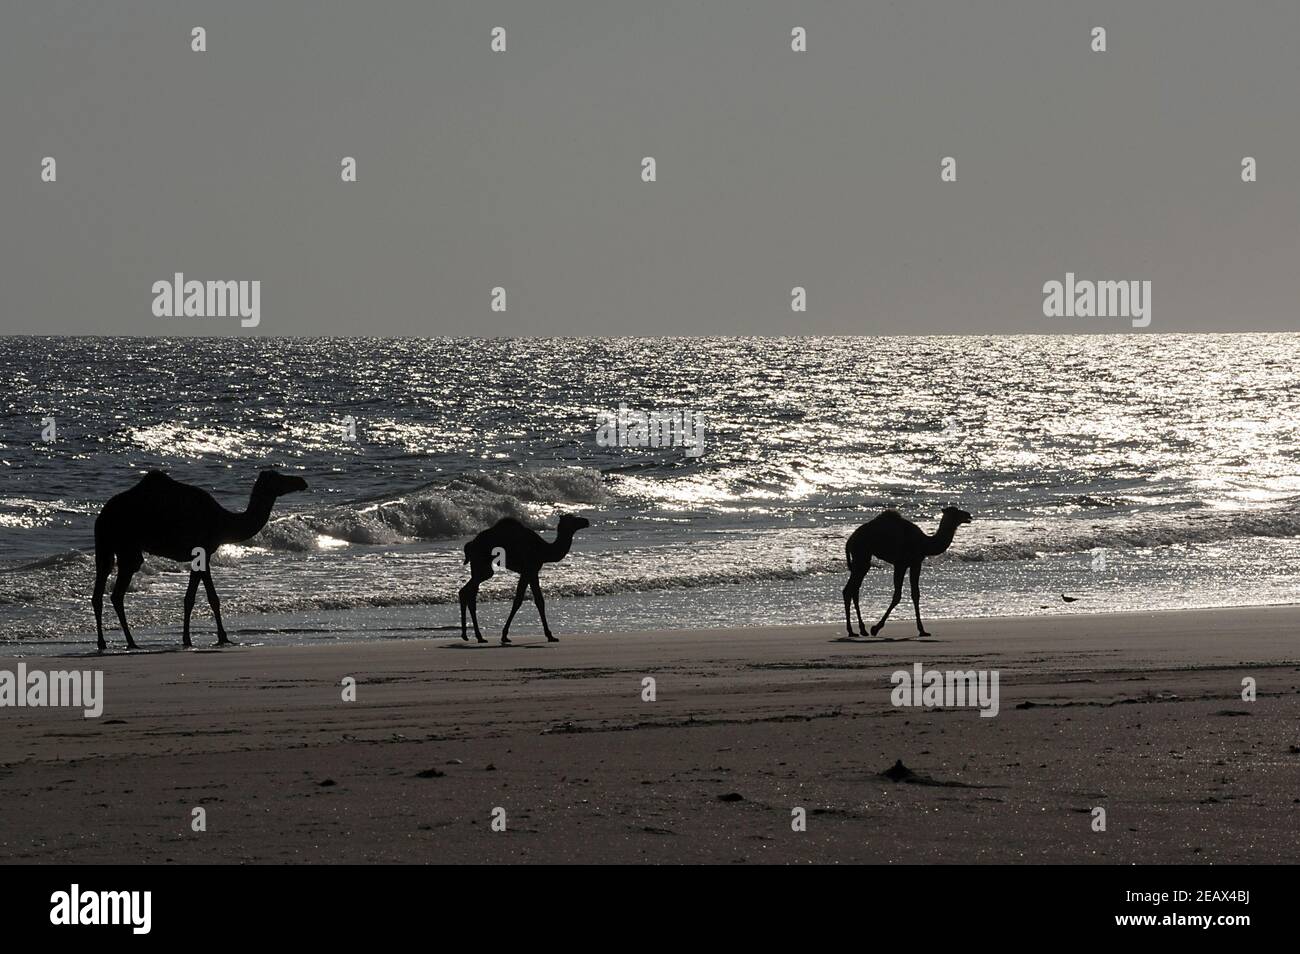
467 553
848 555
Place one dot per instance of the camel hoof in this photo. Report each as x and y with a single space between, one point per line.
505 641
465 636
552 639
922 634
875 630
480 639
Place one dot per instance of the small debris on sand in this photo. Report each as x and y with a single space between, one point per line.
899 773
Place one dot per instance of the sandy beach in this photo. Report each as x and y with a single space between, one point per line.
1140 714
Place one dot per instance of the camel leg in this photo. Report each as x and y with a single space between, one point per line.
519 601
189 606
899 572
464 607
541 609
215 602
469 599
127 564
857 599
915 574
103 566
473 613
851 591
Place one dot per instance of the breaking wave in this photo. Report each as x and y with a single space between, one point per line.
440 511
1139 531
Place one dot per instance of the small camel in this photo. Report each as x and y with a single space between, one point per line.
522 551
890 538
170 519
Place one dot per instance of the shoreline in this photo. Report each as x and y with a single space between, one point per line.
525 630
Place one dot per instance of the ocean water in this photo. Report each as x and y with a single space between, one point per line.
1126 471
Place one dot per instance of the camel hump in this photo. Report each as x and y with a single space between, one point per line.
490 536
150 483
507 528
157 486
155 480
886 518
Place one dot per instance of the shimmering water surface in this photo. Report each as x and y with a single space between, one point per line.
1128 471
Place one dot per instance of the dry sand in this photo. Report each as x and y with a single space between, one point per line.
1138 713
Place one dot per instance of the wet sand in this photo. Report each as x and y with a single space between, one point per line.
1140 714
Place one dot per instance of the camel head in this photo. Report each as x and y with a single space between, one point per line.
273 484
570 524
954 515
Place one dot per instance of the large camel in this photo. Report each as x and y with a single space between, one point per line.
170 519
521 550
890 538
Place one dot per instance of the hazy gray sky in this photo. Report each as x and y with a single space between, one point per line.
522 169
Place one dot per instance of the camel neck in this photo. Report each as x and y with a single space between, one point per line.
942 538
560 548
247 524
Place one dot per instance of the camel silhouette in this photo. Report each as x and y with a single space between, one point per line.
895 540
170 519
522 551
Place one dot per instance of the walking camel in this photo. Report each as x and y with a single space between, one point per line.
522 551
170 519
891 538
